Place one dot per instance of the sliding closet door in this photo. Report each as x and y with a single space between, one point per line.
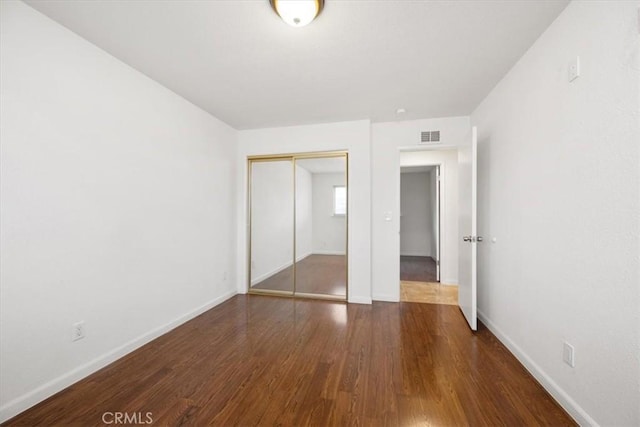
298 225
271 205
321 227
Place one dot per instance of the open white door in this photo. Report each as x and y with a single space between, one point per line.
437 220
467 229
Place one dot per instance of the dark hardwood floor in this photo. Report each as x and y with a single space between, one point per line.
260 360
315 274
418 269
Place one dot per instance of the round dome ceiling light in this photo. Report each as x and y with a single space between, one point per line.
297 13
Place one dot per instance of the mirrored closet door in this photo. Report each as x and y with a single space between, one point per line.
272 232
298 225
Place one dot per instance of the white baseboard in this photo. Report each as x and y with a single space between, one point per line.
386 298
278 270
27 400
359 300
270 273
561 396
303 256
403 253
323 252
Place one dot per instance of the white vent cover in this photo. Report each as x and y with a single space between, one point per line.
429 136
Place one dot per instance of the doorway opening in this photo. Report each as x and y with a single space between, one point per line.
426 220
458 224
420 224
420 236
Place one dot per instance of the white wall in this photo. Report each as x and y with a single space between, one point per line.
559 189
271 218
416 234
117 208
387 141
352 136
304 213
329 231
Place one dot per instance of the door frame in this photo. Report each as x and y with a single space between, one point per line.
413 148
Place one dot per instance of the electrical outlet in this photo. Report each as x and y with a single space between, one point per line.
568 355
77 331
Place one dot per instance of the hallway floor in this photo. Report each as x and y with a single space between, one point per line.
418 269
431 293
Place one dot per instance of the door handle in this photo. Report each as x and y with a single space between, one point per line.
467 238
472 239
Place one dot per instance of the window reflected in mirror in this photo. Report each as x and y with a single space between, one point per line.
321 226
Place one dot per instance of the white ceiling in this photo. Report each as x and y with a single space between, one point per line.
359 59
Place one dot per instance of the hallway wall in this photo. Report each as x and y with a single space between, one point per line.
416 221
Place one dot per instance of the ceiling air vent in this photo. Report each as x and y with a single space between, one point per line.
429 136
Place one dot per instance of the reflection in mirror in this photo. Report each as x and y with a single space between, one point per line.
271 263
321 226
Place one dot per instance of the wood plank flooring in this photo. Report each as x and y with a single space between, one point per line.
259 360
431 293
418 269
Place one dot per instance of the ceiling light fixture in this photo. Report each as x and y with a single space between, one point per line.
297 13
